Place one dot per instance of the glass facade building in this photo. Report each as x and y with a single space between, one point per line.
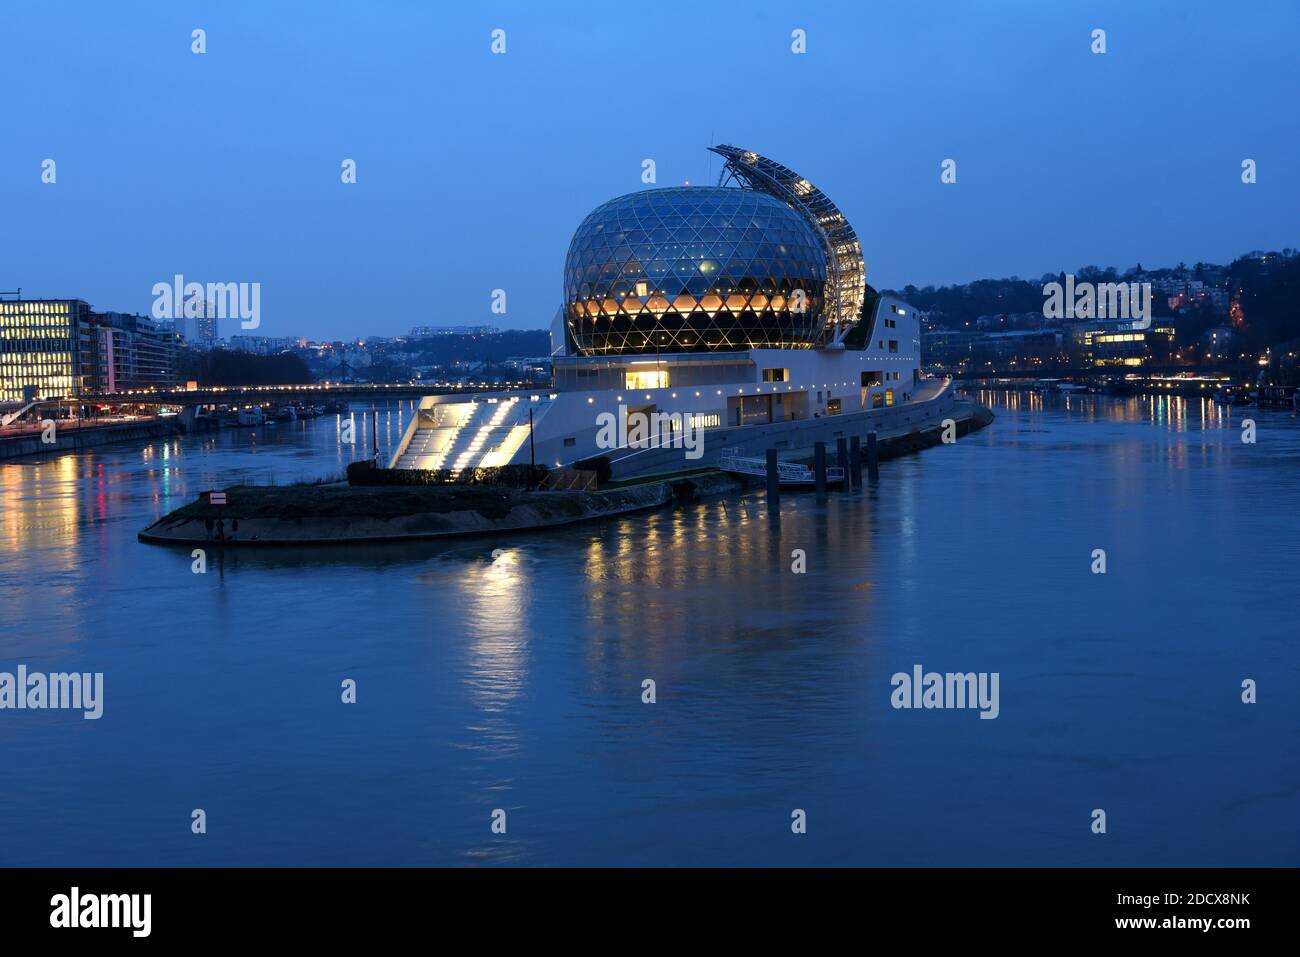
51 348
42 344
694 269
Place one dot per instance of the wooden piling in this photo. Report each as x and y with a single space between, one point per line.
855 462
873 458
773 482
819 467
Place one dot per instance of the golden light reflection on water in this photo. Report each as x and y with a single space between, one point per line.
1162 412
41 528
659 585
495 598
42 505
52 504
497 616
1170 413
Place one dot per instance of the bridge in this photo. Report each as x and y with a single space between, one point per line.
1088 372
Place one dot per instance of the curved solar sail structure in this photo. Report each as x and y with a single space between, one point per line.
847 270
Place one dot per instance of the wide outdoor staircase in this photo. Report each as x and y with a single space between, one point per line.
467 435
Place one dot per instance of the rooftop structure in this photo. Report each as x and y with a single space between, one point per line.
847 287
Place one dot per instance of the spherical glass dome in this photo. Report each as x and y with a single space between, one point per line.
693 269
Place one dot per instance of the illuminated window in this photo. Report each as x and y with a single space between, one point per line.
646 379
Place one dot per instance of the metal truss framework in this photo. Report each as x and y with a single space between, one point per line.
847 270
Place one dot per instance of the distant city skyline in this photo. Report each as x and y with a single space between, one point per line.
473 168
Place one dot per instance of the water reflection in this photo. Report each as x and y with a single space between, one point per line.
1174 413
506 672
495 596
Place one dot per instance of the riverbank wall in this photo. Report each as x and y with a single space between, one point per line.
86 437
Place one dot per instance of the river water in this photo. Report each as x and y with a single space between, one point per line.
507 672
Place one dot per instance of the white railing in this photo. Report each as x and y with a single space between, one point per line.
732 461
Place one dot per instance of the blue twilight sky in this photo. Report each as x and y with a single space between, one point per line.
474 169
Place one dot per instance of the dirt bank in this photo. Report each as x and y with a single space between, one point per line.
320 514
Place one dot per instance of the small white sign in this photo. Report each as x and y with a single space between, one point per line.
216 498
